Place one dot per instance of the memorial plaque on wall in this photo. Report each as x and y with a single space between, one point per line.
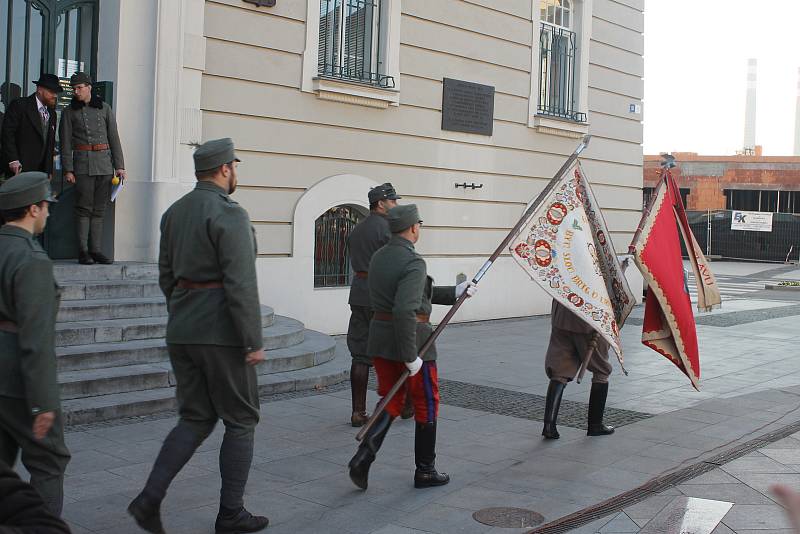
467 107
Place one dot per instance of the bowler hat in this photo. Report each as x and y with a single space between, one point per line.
25 189
49 81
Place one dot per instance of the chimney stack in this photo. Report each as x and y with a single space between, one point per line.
750 109
797 119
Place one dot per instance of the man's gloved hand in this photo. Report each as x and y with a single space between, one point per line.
469 287
414 367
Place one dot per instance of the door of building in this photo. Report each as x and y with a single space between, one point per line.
59 37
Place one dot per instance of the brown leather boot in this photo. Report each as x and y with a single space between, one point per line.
359 375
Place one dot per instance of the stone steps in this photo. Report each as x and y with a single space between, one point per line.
149 401
316 349
112 356
131 329
71 272
112 289
284 332
104 309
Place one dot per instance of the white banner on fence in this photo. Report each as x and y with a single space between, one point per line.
754 221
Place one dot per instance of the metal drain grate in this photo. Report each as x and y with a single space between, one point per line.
661 483
524 405
508 517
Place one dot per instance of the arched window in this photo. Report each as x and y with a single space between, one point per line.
331 253
557 13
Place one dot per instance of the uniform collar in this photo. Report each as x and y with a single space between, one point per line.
401 241
210 186
8 229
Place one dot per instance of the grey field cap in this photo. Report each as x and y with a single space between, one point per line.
402 217
25 189
214 153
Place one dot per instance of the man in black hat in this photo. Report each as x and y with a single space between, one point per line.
30 406
29 129
91 154
368 236
207 271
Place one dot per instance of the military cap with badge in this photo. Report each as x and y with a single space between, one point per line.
383 192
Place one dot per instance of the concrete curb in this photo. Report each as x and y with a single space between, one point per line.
781 288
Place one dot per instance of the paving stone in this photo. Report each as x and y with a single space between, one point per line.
620 523
738 493
756 517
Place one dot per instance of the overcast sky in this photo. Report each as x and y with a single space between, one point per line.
695 82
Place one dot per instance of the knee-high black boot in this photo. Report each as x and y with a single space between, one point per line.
554 392
426 474
365 455
359 376
597 405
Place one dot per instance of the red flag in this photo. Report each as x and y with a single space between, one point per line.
669 326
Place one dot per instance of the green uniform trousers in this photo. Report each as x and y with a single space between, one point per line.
358 333
213 383
92 196
45 460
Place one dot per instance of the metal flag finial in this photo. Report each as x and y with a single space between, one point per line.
668 160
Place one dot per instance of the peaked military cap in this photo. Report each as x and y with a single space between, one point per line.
402 217
214 153
79 78
25 189
383 192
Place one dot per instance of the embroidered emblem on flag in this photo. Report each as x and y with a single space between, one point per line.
565 249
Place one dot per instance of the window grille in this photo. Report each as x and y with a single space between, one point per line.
331 253
557 73
350 41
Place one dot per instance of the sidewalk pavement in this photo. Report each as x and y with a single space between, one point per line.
490 442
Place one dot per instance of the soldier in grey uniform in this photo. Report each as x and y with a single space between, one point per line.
401 295
30 406
207 272
91 154
368 236
570 339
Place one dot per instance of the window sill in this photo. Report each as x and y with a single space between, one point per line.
355 93
560 127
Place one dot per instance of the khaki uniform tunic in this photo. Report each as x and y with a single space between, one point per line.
366 238
569 341
399 284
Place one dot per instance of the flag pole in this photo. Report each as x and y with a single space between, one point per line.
477 278
666 165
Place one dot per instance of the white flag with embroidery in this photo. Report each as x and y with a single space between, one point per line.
565 247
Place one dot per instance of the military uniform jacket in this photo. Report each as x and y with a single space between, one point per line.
367 237
207 237
562 318
29 298
92 124
399 284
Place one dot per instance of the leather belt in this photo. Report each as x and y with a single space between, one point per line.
8 326
188 284
91 148
362 274
383 316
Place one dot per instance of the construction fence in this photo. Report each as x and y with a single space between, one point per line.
719 234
